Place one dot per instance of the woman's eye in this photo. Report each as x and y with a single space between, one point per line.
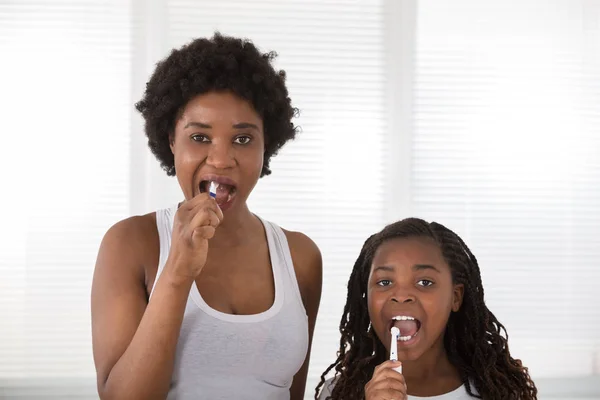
199 138
425 283
384 282
242 140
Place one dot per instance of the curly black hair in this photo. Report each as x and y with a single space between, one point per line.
220 63
475 341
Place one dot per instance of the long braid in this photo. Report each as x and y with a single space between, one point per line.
475 341
359 346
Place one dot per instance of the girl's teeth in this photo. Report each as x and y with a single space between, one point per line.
406 338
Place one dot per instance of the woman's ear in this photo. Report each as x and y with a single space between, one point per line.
172 141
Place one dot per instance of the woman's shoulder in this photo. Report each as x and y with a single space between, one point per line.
306 255
308 265
303 245
134 243
138 230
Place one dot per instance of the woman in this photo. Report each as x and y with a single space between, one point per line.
206 300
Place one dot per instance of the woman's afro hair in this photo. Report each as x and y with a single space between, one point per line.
220 63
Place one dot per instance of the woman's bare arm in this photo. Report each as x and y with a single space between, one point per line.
134 340
309 274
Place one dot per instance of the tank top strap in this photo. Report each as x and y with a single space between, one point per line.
285 259
164 227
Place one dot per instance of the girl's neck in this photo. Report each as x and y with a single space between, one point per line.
432 374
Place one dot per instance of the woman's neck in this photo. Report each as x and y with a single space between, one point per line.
239 226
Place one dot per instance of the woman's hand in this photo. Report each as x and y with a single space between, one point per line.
195 222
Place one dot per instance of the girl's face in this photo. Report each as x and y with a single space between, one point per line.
219 137
410 286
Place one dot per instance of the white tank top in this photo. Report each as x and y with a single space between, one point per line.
226 356
457 394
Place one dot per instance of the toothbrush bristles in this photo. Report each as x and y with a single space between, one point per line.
212 190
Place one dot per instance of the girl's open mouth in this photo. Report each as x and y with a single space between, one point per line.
409 327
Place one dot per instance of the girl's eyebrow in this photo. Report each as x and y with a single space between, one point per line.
386 268
416 267
421 267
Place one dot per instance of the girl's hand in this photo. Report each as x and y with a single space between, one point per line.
386 383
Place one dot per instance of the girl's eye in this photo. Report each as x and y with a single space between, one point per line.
242 140
425 283
199 138
384 282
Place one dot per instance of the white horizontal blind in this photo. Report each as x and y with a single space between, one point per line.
328 183
66 110
507 153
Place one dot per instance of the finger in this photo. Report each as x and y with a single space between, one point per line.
389 374
388 394
205 217
210 203
384 388
189 208
386 365
188 205
386 368
388 380
203 232
390 384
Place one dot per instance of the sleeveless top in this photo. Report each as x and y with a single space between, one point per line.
459 393
226 356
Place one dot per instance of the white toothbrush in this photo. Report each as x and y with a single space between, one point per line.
394 346
212 190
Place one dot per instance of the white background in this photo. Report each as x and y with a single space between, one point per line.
482 115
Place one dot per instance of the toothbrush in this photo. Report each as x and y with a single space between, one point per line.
394 346
213 189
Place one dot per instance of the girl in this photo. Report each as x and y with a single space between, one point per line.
421 278
202 300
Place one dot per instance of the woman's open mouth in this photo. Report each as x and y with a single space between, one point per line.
224 195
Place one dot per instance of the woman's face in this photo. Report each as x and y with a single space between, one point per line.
219 137
410 286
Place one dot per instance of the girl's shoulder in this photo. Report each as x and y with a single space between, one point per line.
327 389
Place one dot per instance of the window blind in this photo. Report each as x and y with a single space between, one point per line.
65 128
506 151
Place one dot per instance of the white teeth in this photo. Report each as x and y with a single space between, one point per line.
407 338
403 318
